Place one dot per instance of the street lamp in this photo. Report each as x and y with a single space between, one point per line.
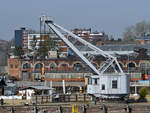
135 89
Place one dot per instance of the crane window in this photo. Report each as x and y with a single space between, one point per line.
95 81
89 81
103 86
114 84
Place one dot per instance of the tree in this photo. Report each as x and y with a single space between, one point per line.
143 92
34 43
49 44
18 51
42 51
137 30
112 39
11 42
129 34
119 40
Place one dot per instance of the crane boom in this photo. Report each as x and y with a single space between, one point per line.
73 48
111 60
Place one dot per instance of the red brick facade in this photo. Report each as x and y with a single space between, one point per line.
14 69
16 66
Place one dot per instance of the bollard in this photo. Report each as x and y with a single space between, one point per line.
95 100
45 111
128 109
2 101
60 109
35 99
35 109
105 109
74 108
12 110
84 109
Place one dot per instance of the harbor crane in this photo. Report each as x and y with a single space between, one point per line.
107 81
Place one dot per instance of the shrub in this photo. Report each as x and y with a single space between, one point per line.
143 92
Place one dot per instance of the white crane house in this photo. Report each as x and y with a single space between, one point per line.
108 81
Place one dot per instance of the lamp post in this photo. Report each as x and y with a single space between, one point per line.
135 89
128 63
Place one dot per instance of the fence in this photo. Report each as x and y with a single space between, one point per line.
62 98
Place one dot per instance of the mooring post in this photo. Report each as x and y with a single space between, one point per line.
35 99
84 109
35 109
105 109
60 109
95 100
12 110
128 109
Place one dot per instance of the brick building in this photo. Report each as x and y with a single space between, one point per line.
87 34
72 69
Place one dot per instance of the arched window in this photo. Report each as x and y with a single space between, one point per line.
77 67
38 66
64 65
131 67
144 67
26 66
53 66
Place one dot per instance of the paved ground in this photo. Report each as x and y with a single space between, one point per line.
67 108
112 107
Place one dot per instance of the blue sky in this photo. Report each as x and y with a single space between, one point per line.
111 16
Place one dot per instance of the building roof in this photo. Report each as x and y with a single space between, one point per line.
38 87
27 84
147 38
41 87
126 47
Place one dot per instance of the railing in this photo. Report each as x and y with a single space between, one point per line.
62 98
144 83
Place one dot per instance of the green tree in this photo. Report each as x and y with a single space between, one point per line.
43 50
49 44
34 43
129 34
119 40
137 30
143 92
18 51
112 39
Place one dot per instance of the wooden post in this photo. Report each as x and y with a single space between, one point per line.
46 99
64 98
128 109
42 100
35 109
84 109
68 98
105 109
51 98
76 97
12 110
84 97
36 99
60 109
